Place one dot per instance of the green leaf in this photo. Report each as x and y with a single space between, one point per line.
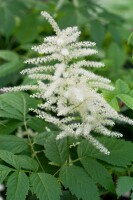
99 173
17 186
8 18
41 138
121 87
8 112
45 186
36 124
27 162
19 161
40 125
9 158
28 29
97 36
13 143
110 97
117 56
12 64
114 103
4 171
115 33
16 105
124 185
79 16
128 100
118 148
66 195
79 183
58 152
7 127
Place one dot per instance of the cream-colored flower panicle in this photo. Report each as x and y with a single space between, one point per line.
69 89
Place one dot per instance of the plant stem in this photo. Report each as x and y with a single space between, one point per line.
32 147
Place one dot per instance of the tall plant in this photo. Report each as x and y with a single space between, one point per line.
70 98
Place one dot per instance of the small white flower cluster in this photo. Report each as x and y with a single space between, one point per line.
68 89
21 133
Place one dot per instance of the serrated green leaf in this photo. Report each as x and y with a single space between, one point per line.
13 143
27 162
41 138
16 105
79 183
58 152
128 100
36 124
9 158
121 151
124 185
9 113
45 186
17 186
4 171
98 173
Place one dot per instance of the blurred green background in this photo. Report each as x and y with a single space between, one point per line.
107 22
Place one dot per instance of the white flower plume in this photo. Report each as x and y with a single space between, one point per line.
68 89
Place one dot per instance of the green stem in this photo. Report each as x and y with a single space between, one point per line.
32 147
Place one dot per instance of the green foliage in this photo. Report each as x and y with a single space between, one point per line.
13 62
97 36
99 173
15 183
128 100
24 34
45 186
41 138
9 158
58 152
16 105
4 171
123 92
119 149
27 162
8 126
82 187
13 143
124 185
